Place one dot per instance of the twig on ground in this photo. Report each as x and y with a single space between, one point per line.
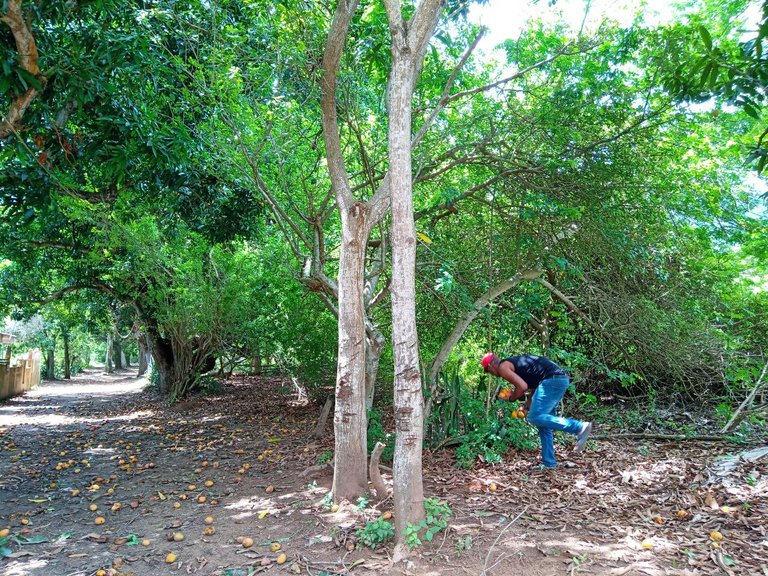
485 564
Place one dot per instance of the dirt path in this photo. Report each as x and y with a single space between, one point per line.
152 471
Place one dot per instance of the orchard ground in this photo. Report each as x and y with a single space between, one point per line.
246 459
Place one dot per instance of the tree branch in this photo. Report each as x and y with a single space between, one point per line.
28 58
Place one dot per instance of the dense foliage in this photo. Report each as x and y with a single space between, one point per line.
168 179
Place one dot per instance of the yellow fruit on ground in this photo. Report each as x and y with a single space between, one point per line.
75 492
492 487
170 558
116 506
282 558
208 483
269 489
178 536
247 542
647 544
274 547
99 520
682 514
201 499
4 532
24 521
335 508
101 573
209 531
145 542
208 520
177 504
93 507
191 487
715 535
387 515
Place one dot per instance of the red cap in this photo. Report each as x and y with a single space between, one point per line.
487 360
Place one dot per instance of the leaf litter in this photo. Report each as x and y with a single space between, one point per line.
144 465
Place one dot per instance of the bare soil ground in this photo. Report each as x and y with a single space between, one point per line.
622 508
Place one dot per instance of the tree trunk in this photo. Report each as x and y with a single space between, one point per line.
50 364
374 345
67 359
162 357
350 477
108 368
145 355
409 42
117 353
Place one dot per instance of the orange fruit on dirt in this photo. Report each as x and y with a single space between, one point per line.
209 531
4 532
282 558
208 520
145 542
99 520
269 489
492 487
274 547
715 535
170 558
247 542
387 515
24 521
201 499
208 483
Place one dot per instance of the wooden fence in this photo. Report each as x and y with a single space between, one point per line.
17 375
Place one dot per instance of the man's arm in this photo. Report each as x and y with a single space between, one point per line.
507 371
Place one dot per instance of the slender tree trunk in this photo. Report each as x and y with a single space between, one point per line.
374 345
409 42
350 477
67 359
50 364
108 367
408 401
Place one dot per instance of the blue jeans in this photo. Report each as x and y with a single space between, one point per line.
542 415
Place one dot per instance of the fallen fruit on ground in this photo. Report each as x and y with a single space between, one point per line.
715 535
492 487
178 536
247 542
145 542
210 530
335 508
170 558
269 489
282 558
4 532
387 515
274 547
208 520
93 507
99 520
